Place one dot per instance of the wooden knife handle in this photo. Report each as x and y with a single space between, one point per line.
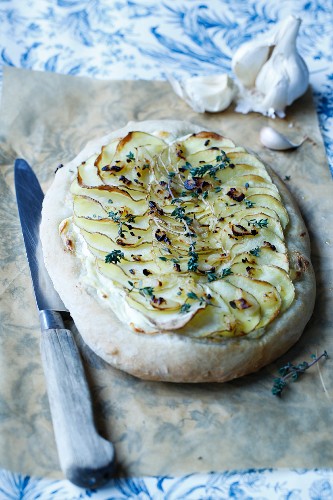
86 458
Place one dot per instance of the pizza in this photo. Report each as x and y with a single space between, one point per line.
180 256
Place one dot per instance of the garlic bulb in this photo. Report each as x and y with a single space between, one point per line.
205 93
271 71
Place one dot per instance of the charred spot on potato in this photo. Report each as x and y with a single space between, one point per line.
236 195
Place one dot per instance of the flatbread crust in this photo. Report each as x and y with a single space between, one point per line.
171 357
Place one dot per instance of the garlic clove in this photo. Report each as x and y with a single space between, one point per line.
275 98
211 93
272 139
247 62
251 56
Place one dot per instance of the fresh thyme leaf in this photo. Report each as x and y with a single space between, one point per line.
205 195
255 251
249 203
130 156
185 308
178 212
187 219
226 272
171 175
193 296
114 216
212 277
176 200
114 257
279 385
146 291
163 258
130 218
131 283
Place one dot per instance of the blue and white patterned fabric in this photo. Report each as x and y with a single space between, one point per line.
265 484
146 39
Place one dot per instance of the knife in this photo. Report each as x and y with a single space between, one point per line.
87 459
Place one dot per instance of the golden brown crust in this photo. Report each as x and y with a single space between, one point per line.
172 357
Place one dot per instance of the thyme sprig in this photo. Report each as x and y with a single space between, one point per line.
258 223
216 276
179 214
146 291
293 372
192 264
193 296
211 169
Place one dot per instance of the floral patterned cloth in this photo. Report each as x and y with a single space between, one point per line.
145 39
148 39
265 484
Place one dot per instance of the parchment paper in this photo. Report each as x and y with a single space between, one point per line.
158 428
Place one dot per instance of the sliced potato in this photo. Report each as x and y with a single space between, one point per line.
265 293
252 181
139 253
111 229
88 174
198 142
264 255
271 274
84 206
134 140
265 238
242 305
246 159
107 153
240 170
265 200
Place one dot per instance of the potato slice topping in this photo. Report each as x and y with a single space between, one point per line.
189 235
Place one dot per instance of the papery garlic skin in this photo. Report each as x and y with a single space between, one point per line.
211 93
282 77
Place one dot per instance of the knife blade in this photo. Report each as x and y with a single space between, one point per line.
86 458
